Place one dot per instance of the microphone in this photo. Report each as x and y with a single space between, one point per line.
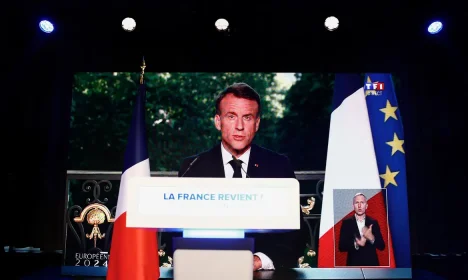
238 163
190 166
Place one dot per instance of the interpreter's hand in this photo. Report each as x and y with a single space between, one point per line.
361 242
368 233
257 263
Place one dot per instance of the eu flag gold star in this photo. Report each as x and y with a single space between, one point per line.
396 144
389 111
389 177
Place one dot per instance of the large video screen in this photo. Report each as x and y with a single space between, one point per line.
296 110
280 114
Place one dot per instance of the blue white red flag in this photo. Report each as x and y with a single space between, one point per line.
134 251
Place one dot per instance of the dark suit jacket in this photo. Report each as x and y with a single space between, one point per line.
367 255
283 248
263 163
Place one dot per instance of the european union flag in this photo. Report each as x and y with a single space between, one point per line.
388 138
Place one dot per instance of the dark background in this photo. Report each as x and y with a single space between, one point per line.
277 36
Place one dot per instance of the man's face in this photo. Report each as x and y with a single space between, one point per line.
360 205
238 122
257 263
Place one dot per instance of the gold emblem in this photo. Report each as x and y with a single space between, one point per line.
166 261
310 205
302 264
311 253
169 264
95 215
143 66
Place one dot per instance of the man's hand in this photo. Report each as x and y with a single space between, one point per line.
368 233
361 241
257 264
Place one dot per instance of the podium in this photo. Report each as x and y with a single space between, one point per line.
214 214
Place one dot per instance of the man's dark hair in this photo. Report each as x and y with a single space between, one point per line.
240 90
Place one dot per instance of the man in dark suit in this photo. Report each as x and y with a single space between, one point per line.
262 163
237 117
360 236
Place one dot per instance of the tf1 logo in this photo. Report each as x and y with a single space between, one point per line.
375 86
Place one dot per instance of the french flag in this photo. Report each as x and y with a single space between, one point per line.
134 251
366 152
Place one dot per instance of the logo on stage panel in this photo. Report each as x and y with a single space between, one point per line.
89 225
95 214
373 88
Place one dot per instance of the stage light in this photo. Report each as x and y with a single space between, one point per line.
331 23
435 27
128 24
222 24
46 26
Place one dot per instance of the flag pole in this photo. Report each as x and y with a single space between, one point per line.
142 75
134 251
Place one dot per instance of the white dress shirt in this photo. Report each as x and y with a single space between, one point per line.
360 224
267 263
227 157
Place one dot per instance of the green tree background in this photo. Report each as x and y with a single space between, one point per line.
180 110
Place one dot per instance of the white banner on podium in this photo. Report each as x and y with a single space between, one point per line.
213 203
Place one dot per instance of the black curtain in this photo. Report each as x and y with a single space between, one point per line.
435 119
36 117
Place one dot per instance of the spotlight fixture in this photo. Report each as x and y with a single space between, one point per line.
128 24
222 24
331 23
46 26
435 27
